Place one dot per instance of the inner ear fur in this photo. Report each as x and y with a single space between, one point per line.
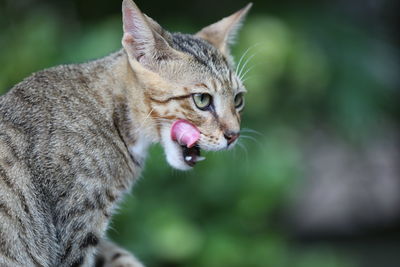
222 33
144 39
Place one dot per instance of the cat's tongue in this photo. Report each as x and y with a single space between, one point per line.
185 133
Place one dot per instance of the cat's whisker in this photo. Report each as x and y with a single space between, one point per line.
244 148
252 138
248 137
244 54
247 71
242 72
248 78
142 124
245 64
243 77
251 77
246 155
242 57
249 130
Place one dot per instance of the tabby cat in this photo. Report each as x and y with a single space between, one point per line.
73 138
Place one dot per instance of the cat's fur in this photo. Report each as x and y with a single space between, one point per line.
73 138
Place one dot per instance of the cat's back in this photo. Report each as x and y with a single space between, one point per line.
56 119
56 134
22 215
32 114
48 112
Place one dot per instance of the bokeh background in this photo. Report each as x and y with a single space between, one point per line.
315 181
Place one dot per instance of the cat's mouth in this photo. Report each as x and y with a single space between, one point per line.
184 151
191 155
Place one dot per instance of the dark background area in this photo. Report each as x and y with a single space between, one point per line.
315 181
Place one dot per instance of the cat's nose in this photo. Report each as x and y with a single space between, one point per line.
231 136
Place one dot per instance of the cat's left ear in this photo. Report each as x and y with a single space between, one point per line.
222 33
144 40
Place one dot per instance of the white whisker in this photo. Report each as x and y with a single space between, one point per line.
248 130
243 56
247 71
244 65
142 124
244 148
253 139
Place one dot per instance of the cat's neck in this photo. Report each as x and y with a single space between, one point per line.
124 93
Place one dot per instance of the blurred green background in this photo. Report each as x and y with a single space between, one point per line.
315 183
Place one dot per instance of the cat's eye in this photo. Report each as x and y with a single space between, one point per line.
239 100
202 101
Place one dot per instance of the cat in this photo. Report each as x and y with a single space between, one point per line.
74 138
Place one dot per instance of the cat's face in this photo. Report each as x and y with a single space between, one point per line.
189 82
210 96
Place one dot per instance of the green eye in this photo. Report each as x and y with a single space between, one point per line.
239 100
202 101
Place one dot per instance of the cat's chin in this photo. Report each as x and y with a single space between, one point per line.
174 156
179 157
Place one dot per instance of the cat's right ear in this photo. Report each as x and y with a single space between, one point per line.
222 33
144 40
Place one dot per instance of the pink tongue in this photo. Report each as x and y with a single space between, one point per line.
185 133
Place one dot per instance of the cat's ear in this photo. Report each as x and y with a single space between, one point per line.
144 40
222 33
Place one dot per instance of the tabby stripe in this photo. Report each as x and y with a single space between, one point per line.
5 250
116 256
17 191
8 212
98 197
5 210
90 240
13 149
214 113
201 85
111 141
230 77
199 59
100 261
110 196
214 85
134 160
19 93
77 227
84 207
4 175
78 262
7 119
170 99
67 250
8 256
27 250
87 205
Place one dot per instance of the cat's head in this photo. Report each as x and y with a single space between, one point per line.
190 86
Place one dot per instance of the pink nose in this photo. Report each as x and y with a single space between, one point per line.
231 137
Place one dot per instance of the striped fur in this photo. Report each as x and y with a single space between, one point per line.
74 139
